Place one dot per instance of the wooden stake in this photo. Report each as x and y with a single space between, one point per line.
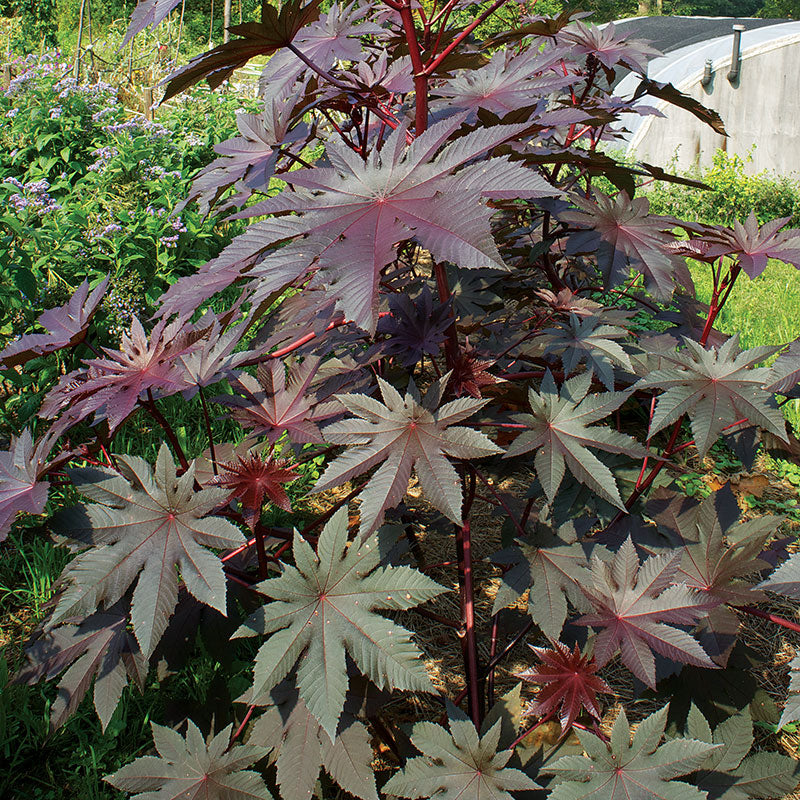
211 25
148 103
93 68
226 20
6 81
180 32
80 41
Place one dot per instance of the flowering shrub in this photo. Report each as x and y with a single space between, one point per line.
89 191
440 295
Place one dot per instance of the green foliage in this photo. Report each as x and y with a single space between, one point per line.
88 191
733 195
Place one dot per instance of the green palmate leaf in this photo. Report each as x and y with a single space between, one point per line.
791 710
561 436
715 387
586 340
300 748
324 607
189 767
551 574
785 579
144 524
718 554
621 769
728 773
634 606
404 433
458 764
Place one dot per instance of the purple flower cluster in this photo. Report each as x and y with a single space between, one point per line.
154 172
155 212
171 241
93 234
33 197
136 126
102 156
96 95
56 112
33 68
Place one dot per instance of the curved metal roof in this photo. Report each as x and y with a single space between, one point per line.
672 33
683 66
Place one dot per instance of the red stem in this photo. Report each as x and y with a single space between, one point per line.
420 76
757 612
469 642
530 730
242 726
150 405
492 654
443 288
431 66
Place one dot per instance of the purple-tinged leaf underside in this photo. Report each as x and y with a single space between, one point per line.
190 767
636 607
404 434
623 769
143 524
560 434
324 607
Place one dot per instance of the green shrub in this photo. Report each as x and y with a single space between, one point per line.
88 191
733 194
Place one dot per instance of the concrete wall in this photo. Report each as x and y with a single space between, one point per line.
762 108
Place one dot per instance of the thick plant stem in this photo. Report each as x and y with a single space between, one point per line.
151 406
757 612
209 432
469 643
420 77
443 288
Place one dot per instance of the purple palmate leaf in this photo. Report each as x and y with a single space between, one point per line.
353 213
144 524
273 405
506 83
609 47
568 681
247 160
99 648
641 769
22 467
635 609
66 326
404 433
111 385
190 767
334 37
624 235
415 327
752 245
148 12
